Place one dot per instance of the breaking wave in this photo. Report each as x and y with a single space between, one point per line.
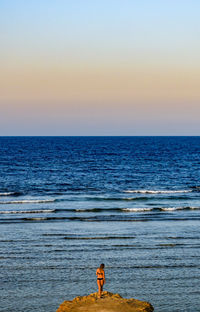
9 193
137 209
160 209
157 191
26 211
27 201
116 198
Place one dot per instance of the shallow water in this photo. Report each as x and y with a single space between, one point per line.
69 203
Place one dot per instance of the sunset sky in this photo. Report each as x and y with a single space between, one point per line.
99 67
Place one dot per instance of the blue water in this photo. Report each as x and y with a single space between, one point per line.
69 203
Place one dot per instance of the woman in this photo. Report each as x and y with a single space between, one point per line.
100 278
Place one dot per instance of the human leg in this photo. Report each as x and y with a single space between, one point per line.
99 287
102 283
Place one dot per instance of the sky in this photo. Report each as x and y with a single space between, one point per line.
99 67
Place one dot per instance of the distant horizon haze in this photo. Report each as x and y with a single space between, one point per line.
99 68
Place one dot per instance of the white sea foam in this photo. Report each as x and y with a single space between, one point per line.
7 193
27 201
26 211
171 208
178 208
157 191
137 209
161 209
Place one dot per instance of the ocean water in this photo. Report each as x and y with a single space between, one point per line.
68 204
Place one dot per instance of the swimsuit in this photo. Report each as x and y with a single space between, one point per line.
99 278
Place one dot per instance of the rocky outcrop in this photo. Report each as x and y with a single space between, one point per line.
108 303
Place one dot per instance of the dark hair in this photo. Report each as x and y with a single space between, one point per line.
102 266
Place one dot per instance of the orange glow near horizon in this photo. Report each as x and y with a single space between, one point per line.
127 64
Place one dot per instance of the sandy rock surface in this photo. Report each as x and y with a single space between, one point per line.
108 303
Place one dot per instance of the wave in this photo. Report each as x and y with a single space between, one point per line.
10 194
179 208
111 218
95 199
97 237
95 210
137 209
27 211
27 201
160 209
116 198
99 210
157 191
36 219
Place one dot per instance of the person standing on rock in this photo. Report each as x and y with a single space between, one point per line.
100 278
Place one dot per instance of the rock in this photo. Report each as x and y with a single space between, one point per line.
108 303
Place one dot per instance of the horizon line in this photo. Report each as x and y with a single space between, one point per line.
31 136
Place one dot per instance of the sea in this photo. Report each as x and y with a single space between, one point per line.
68 204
